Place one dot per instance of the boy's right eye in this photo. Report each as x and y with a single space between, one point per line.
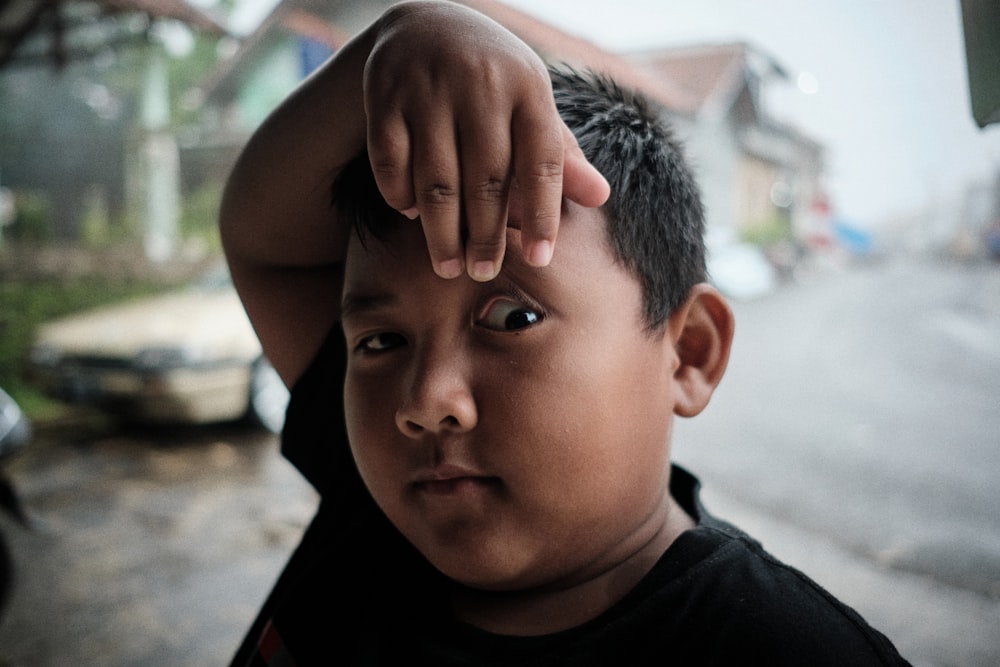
381 342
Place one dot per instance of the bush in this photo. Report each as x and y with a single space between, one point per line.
768 232
24 305
200 214
33 218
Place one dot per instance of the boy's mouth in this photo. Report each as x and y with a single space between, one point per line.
455 485
447 479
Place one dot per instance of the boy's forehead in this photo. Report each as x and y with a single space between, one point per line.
405 243
398 252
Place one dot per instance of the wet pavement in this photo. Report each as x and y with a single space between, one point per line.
149 547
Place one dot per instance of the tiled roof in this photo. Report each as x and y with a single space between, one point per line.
704 73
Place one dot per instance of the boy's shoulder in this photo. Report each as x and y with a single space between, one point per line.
724 599
718 597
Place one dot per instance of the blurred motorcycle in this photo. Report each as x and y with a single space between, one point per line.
15 432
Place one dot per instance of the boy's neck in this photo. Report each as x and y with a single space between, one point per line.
545 611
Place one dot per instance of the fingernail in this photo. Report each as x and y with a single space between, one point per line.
483 270
411 213
540 253
450 268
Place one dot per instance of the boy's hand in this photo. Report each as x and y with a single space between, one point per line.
463 131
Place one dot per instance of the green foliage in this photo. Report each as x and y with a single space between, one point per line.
186 73
25 305
95 227
768 232
199 214
33 220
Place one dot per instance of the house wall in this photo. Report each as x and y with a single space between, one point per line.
279 71
713 152
755 187
775 157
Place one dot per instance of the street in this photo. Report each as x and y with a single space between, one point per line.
856 434
149 548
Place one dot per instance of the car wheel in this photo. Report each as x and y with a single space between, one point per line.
268 397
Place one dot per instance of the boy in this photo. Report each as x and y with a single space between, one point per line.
507 495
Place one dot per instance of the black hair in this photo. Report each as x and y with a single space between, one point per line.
655 217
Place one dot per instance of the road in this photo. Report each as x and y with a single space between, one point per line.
150 548
857 434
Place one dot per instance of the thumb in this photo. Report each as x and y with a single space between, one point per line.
582 183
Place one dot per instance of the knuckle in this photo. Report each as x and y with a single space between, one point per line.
390 179
484 245
389 173
490 191
544 219
439 194
387 169
544 172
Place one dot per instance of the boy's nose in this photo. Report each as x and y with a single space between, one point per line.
439 400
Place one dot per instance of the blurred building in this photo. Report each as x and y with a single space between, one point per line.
759 177
89 147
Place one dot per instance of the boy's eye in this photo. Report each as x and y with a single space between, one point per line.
508 315
381 342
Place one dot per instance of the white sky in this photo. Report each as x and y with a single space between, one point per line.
892 106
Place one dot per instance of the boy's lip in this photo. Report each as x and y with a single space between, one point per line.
449 478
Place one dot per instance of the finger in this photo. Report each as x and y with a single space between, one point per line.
436 186
538 172
582 182
389 146
485 190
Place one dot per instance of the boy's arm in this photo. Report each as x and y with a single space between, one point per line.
456 114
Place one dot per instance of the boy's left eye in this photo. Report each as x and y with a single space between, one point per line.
508 315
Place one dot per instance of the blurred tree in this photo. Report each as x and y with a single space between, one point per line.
66 133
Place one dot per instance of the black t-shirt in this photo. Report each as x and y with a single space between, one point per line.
356 593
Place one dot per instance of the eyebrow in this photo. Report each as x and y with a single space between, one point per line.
354 303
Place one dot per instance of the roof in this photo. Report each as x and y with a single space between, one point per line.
57 31
709 74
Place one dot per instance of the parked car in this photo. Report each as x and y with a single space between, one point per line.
189 356
741 271
15 432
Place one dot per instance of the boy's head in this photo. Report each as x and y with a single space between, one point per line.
517 431
654 215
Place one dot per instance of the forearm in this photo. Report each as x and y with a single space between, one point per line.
276 210
280 235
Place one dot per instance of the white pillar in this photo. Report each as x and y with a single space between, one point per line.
160 163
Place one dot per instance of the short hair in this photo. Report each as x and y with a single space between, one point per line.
655 221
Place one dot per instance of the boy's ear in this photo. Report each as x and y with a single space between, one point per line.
701 331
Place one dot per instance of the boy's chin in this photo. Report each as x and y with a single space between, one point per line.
487 576
497 577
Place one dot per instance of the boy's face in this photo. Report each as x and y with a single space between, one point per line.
516 432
